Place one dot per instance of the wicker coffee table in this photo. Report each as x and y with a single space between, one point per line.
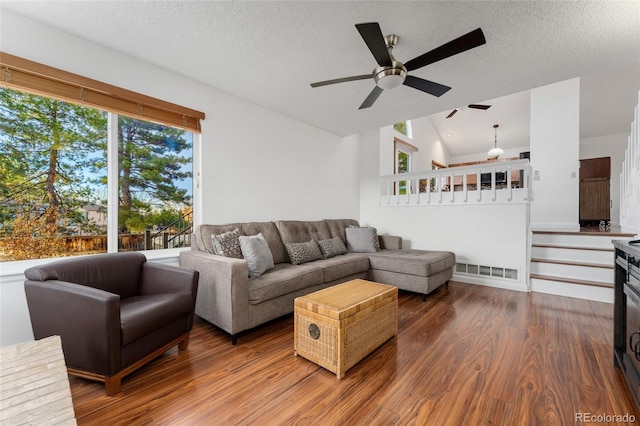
338 326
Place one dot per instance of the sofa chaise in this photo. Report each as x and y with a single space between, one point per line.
233 301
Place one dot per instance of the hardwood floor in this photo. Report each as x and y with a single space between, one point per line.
469 355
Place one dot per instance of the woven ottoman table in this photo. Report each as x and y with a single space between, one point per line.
338 326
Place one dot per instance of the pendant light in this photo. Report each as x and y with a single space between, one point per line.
495 152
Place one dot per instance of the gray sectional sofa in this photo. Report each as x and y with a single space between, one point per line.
229 299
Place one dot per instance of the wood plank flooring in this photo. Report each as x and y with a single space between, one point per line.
469 355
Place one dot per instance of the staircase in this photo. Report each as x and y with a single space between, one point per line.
574 264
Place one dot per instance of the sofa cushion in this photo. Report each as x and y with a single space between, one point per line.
343 266
256 252
295 231
300 253
423 263
227 244
283 279
332 247
140 315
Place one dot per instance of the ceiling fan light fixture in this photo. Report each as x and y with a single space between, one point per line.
390 78
391 73
495 152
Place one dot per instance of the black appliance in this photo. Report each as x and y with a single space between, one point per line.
626 314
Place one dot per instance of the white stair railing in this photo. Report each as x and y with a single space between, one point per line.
630 178
498 182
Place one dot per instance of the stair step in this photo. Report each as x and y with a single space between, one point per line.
573 270
572 280
592 233
573 263
590 240
570 254
566 247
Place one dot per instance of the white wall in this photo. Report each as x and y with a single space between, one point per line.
555 125
255 164
608 146
259 165
492 235
427 138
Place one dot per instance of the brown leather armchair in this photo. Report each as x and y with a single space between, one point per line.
114 312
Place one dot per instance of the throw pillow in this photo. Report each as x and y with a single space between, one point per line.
360 240
227 244
257 253
300 253
332 247
376 240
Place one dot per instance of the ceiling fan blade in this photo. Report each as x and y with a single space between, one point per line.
427 86
372 36
341 80
478 106
452 113
371 98
468 41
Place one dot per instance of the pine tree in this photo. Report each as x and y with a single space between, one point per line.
150 163
47 149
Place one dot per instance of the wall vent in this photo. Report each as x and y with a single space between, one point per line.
487 271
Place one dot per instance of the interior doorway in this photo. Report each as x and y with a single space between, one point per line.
595 191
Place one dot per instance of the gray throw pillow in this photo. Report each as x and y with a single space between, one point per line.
376 240
332 247
227 244
360 240
257 253
300 253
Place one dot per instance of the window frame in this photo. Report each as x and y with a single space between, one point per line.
401 146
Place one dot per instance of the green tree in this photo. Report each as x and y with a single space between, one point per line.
47 148
150 163
401 127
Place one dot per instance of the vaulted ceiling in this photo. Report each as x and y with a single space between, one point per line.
269 52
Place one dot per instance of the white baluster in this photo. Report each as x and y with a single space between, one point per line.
509 189
452 187
464 187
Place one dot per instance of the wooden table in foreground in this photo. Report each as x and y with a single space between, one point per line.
340 325
34 385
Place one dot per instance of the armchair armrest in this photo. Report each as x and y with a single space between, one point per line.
390 242
158 278
223 289
87 320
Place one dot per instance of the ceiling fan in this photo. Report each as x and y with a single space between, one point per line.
391 73
474 106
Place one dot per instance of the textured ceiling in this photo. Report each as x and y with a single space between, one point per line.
269 52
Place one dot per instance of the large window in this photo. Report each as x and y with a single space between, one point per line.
87 167
57 189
